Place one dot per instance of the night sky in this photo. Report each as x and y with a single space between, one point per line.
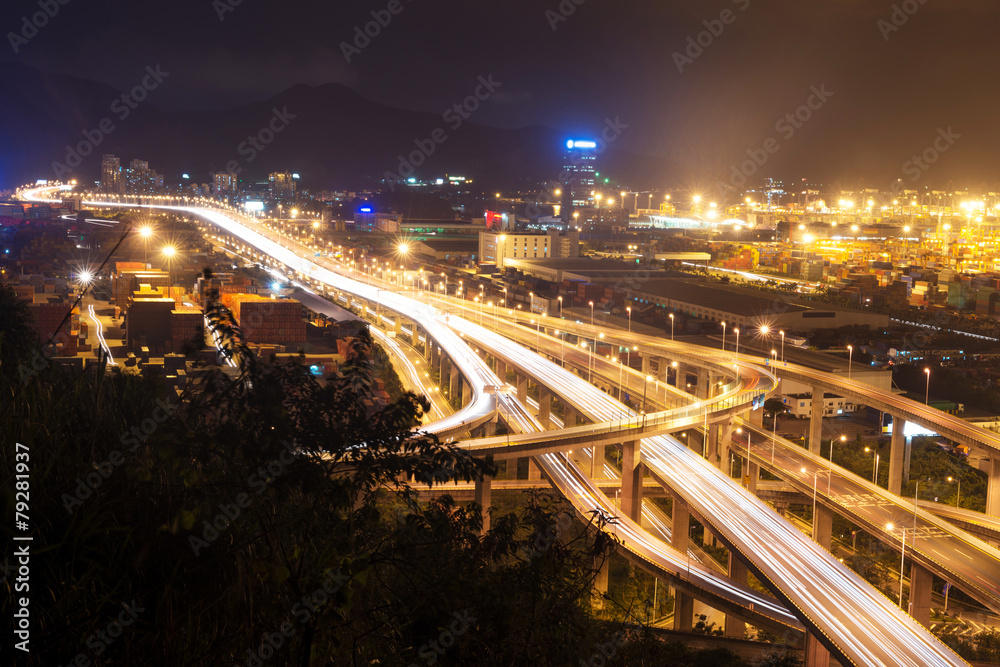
894 86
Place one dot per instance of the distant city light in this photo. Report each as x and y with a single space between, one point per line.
366 209
572 143
185 176
295 175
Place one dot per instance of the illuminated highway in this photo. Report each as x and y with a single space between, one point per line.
856 622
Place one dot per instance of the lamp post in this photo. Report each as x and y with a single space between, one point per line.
902 556
736 330
927 393
843 439
671 327
874 465
560 307
629 310
850 359
782 346
958 498
592 314
723 336
740 430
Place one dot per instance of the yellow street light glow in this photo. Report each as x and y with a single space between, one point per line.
696 199
169 250
145 232
403 248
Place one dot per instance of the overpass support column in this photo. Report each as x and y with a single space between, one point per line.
453 381
921 581
545 407
725 447
993 487
704 383
679 539
712 450
466 393
522 388
816 654
482 497
823 526
601 583
753 471
631 480
534 472
647 364
414 336
502 371
816 421
756 417
680 374
597 462
570 416
736 629
896 454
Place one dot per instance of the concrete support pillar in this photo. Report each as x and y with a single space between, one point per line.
680 523
823 526
993 487
570 416
736 629
597 462
442 363
753 471
522 388
631 480
466 393
534 472
703 383
502 371
756 417
816 654
545 408
601 583
414 336
683 612
896 454
453 381
680 374
647 365
921 581
482 497
816 421
712 452
725 442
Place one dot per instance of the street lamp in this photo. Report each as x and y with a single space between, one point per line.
843 439
560 306
782 346
740 430
850 359
927 393
671 327
723 336
736 330
629 310
874 464
591 314
902 555
958 498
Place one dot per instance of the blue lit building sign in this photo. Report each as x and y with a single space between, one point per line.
580 144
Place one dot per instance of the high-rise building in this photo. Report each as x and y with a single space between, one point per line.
225 183
111 174
578 175
141 180
282 186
